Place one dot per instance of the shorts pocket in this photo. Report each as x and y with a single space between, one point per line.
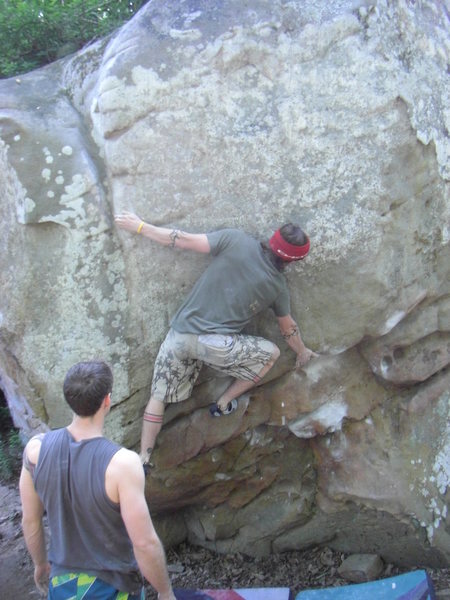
214 340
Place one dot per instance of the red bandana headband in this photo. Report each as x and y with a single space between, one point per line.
285 250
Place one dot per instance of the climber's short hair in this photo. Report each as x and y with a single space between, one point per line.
294 234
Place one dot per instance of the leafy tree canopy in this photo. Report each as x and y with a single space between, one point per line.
34 33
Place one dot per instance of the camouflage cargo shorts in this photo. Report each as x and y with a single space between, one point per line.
182 355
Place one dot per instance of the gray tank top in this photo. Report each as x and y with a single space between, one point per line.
87 531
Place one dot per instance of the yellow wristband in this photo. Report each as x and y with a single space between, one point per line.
141 225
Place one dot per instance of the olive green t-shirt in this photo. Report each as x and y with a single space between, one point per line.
239 283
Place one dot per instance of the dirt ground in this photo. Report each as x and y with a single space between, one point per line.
189 567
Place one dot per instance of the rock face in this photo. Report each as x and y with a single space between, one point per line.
248 114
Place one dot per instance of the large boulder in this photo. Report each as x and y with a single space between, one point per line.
248 114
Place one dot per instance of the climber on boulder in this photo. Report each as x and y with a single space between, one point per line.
244 278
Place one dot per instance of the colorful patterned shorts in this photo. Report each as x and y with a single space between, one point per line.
79 586
182 355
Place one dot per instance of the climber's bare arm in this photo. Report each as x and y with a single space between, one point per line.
291 333
175 238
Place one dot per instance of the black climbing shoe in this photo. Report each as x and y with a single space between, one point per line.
215 411
147 466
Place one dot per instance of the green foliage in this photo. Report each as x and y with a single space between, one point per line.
10 445
10 456
34 33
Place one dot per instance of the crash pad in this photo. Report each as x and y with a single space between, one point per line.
235 594
415 585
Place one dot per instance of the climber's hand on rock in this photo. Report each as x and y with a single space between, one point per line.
304 357
128 221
